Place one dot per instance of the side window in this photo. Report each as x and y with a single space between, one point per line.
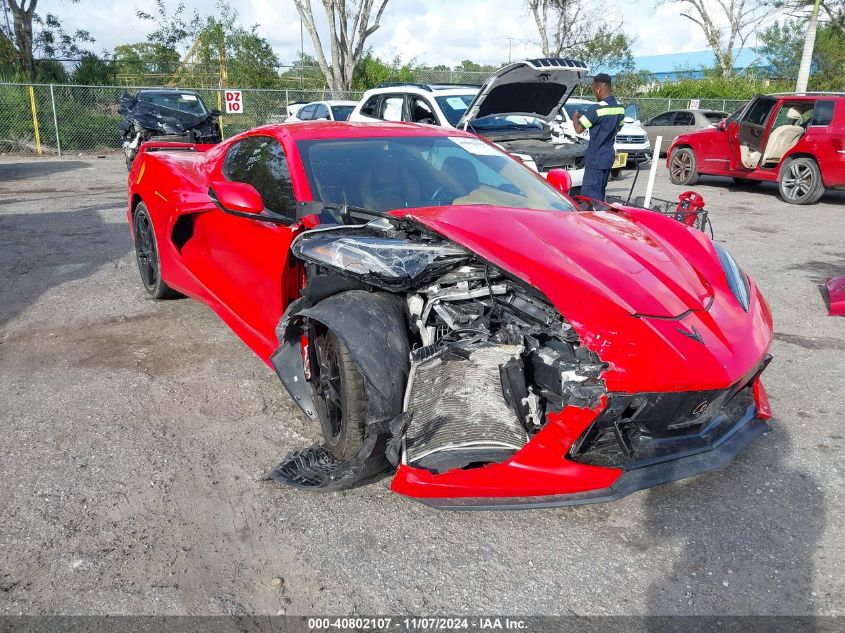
321 111
307 113
421 111
260 161
391 108
684 118
823 113
759 111
370 108
662 119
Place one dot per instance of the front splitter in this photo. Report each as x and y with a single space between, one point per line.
627 483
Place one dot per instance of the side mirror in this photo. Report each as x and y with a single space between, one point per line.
560 180
722 125
237 198
215 113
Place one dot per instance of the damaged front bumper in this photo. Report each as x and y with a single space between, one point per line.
545 475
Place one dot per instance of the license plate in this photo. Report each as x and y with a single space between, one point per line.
621 160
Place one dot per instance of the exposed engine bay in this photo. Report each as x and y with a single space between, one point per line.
486 357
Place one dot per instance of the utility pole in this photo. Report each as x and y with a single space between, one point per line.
301 55
510 46
807 55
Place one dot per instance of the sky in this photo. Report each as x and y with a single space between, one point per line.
428 31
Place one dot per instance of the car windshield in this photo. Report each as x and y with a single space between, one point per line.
454 106
422 171
182 101
715 117
342 112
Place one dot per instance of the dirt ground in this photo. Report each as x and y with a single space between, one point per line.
134 436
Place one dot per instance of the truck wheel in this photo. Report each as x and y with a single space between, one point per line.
146 254
337 389
682 167
800 181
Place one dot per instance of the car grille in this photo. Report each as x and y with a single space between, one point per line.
630 139
637 430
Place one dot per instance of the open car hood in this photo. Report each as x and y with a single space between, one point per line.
533 87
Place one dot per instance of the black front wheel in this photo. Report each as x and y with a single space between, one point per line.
146 254
337 388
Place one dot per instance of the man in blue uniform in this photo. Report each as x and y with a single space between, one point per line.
603 120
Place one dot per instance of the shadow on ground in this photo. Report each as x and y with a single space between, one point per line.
37 169
745 550
40 251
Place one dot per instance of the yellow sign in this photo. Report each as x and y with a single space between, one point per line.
621 160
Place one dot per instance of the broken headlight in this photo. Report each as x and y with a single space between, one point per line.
387 258
737 280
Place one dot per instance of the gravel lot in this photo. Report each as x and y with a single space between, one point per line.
135 435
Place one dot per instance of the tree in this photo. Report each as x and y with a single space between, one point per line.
349 28
211 47
21 37
726 25
133 62
30 35
782 46
583 30
93 70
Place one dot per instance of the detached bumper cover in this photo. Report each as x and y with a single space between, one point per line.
748 430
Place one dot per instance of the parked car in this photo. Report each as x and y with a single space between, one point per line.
630 140
795 140
165 114
671 124
435 306
513 108
332 110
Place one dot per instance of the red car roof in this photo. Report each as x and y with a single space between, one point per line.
313 130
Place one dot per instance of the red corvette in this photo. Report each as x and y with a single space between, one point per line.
438 308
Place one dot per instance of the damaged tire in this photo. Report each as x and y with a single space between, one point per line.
337 389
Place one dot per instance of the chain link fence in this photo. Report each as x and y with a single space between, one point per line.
67 119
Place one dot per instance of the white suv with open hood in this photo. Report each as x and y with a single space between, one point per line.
513 109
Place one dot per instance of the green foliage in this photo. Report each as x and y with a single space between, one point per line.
606 51
51 40
371 71
783 45
714 86
135 62
92 70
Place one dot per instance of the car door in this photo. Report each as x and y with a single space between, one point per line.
242 261
420 110
321 112
392 108
306 113
751 130
683 123
660 126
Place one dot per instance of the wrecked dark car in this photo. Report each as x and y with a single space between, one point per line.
165 115
439 309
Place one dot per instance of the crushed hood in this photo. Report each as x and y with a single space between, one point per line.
533 87
603 261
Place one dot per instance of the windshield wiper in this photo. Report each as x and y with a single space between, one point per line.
344 213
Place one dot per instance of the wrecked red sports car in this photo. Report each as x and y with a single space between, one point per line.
438 308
